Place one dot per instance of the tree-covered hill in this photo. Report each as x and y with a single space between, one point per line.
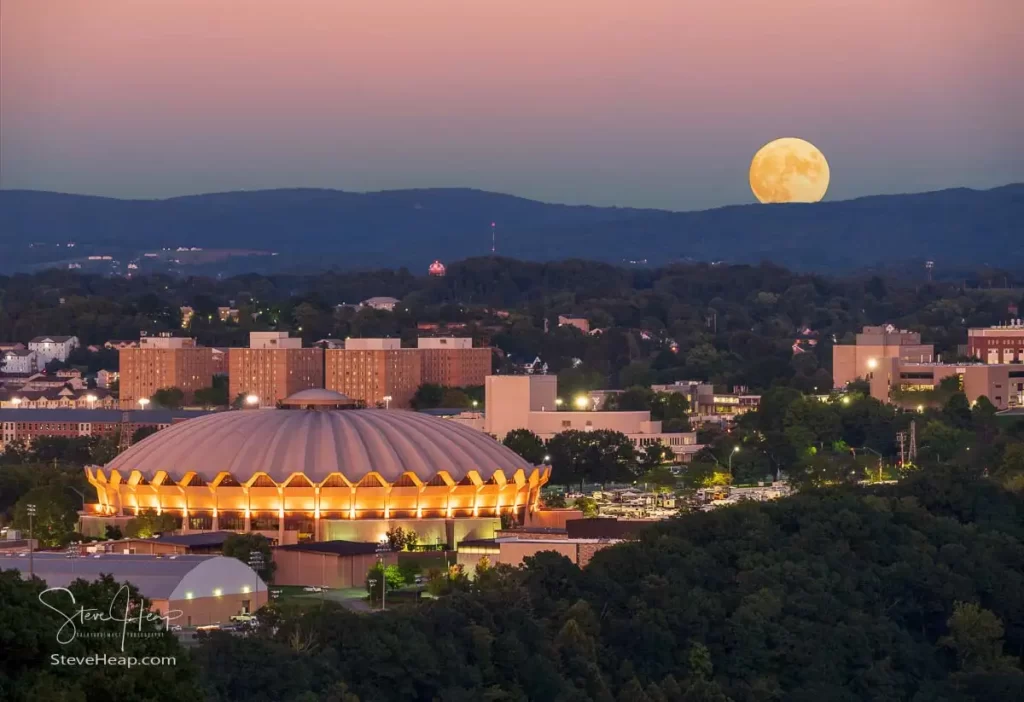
313 229
897 593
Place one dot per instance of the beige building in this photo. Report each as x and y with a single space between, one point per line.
333 564
370 370
1000 344
530 402
852 361
273 367
163 362
896 380
580 323
452 361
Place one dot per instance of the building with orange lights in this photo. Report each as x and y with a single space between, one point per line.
312 471
273 367
453 362
163 362
375 372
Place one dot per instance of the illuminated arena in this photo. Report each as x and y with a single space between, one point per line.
312 471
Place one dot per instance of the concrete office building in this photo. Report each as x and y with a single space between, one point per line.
896 380
452 361
273 367
204 589
319 473
370 370
530 402
163 362
852 361
999 344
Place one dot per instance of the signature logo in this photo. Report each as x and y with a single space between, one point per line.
122 609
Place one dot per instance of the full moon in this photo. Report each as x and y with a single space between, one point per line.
789 170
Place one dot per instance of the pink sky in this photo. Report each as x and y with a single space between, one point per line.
648 103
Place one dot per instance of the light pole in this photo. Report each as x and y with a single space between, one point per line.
382 548
31 515
252 400
256 563
735 450
15 401
82 495
387 402
143 401
582 402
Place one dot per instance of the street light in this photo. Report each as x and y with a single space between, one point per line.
143 401
252 400
475 403
872 363
558 402
387 402
256 563
91 399
735 450
582 402
382 548
846 400
31 513
547 458
15 401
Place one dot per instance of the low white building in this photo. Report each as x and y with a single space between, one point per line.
49 348
381 303
531 402
19 361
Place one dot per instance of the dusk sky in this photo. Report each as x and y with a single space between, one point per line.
653 103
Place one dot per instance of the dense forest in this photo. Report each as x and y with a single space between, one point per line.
734 325
907 592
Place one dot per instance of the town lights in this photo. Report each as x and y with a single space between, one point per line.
846 400
252 400
558 402
90 399
547 458
582 402
143 401
15 401
920 408
387 401
872 363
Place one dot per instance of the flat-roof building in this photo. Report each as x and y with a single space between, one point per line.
163 362
453 361
998 344
873 344
376 372
273 367
531 402
895 380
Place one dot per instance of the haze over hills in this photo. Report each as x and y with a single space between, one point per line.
319 228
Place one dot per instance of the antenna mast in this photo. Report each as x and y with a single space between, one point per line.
493 240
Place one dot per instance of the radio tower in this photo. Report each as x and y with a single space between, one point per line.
901 437
493 240
913 443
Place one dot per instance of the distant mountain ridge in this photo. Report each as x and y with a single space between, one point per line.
319 228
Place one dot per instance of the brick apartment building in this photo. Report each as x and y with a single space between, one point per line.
273 367
163 362
29 424
453 362
368 370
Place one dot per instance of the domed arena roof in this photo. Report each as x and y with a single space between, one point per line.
317 444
